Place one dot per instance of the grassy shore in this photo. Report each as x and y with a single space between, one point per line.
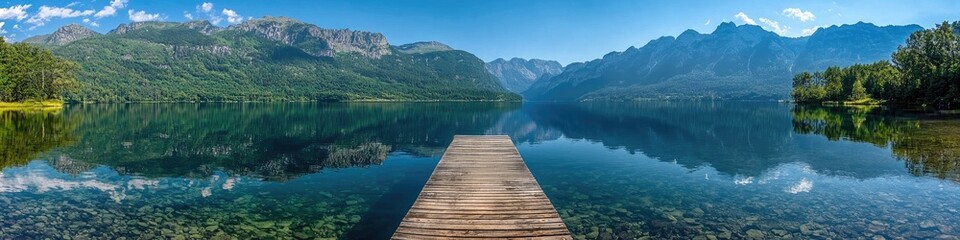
32 104
861 102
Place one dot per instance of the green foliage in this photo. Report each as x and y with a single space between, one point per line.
808 87
925 71
26 134
175 62
273 141
930 63
926 146
857 91
32 73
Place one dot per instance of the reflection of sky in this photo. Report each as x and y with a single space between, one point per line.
39 177
555 161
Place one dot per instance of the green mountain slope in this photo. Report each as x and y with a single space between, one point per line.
264 60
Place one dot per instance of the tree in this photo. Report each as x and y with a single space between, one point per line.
834 83
925 71
32 73
801 87
857 91
930 63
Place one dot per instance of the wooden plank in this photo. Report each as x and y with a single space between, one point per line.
481 189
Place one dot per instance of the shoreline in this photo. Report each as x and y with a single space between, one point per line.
353 101
32 104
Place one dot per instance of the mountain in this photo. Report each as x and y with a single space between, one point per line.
266 59
63 36
733 62
857 43
518 73
423 47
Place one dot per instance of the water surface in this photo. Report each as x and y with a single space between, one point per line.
613 170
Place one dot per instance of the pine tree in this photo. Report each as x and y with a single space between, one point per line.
857 91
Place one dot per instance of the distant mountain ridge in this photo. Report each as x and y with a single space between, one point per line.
424 47
63 36
271 58
733 62
518 74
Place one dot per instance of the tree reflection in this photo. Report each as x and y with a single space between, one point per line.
26 134
270 141
927 145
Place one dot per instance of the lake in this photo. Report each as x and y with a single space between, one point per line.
699 170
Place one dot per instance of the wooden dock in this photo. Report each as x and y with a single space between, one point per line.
482 189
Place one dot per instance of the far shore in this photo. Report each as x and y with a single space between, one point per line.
32 104
278 101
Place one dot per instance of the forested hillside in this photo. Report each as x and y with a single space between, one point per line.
268 59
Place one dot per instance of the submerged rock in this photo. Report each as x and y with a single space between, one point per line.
754 234
927 224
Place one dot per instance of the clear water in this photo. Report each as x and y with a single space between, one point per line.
613 170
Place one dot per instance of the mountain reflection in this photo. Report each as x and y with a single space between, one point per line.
273 142
733 138
278 142
926 145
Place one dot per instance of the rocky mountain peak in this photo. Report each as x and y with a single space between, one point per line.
726 27
128 27
689 36
688 33
315 40
517 74
733 28
63 36
203 26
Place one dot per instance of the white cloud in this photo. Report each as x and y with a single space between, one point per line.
91 22
775 26
142 16
205 7
744 18
111 9
232 16
188 15
46 13
15 26
708 22
18 12
801 15
740 180
1 28
803 186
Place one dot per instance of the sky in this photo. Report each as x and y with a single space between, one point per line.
566 31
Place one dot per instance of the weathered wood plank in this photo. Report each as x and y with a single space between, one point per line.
481 189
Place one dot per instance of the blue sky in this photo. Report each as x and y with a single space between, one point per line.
567 31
